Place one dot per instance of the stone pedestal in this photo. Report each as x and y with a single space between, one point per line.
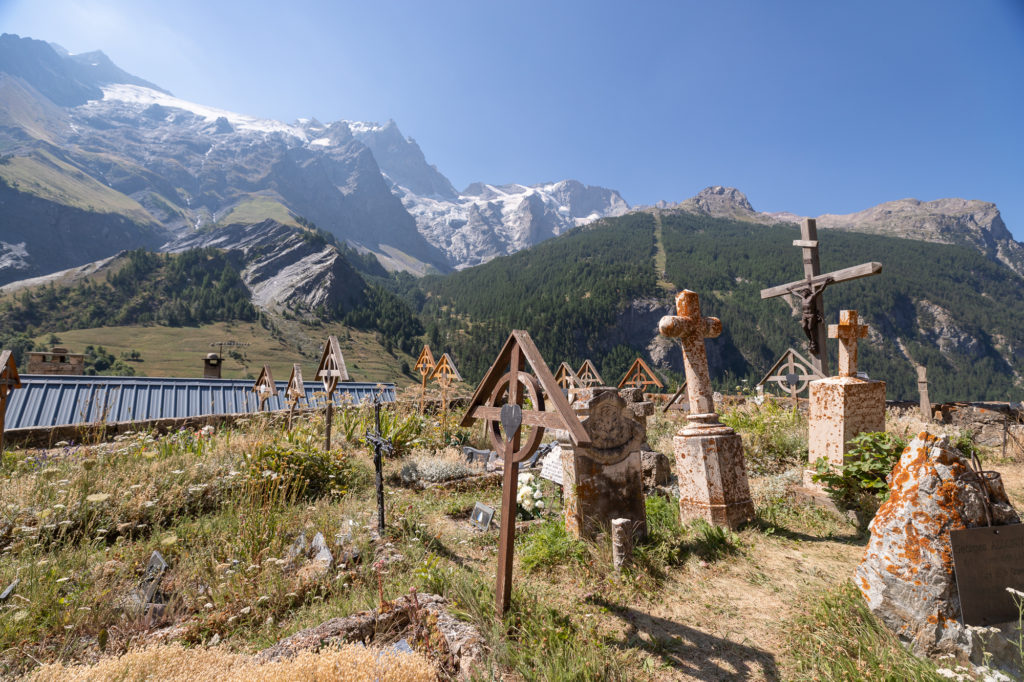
605 481
712 473
840 409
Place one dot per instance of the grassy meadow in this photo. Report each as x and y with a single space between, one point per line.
79 523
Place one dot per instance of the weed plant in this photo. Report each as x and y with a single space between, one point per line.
774 437
839 639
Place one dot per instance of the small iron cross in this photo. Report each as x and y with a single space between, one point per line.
381 446
847 331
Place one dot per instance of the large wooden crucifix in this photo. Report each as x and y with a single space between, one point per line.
809 291
498 400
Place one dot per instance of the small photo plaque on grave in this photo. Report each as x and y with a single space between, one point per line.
481 517
551 469
986 561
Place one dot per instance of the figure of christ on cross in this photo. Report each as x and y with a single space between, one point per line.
691 329
810 291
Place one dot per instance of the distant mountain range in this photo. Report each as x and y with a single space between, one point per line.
94 159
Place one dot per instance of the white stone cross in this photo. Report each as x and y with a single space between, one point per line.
691 329
847 331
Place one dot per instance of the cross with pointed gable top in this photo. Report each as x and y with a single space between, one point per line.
847 331
691 329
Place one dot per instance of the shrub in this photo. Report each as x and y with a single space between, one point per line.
861 479
774 438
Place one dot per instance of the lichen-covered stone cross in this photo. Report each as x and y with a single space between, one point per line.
847 331
691 329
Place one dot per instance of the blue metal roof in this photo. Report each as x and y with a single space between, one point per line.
49 400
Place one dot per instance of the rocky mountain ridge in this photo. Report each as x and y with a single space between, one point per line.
965 222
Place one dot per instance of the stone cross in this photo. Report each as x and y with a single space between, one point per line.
847 331
691 329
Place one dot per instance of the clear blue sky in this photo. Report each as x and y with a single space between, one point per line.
811 107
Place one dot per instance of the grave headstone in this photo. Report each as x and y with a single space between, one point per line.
710 466
551 466
844 406
604 480
424 365
588 375
622 543
294 392
639 375
922 390
330 371
481 516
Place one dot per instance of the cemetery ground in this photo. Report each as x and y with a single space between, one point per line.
80 522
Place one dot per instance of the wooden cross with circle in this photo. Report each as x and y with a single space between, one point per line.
424 365
848 332
499 400
691 329
264 388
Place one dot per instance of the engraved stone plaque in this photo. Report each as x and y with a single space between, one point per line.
987 560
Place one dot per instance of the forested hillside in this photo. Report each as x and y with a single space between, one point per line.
566 292
944 306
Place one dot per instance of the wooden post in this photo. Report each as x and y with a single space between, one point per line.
922 390
509 490
812 268
327 423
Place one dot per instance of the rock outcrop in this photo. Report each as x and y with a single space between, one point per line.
906 575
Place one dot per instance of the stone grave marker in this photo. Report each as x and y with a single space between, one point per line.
330 371
498 400
474 456
424 365
809 291
922 391
842 407
709 455
481 516
9 381
264 388
604 480
551 467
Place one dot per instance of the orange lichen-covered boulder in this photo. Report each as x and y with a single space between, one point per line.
907 571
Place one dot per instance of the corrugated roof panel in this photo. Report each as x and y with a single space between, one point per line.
47 400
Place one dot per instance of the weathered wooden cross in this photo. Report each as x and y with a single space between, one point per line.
639 375
330 371
567 380
295 391
445 373
848 331
9 380
588 374
691 329
264 388
424 365
810 289
499 401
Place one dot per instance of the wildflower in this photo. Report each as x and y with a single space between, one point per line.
208 605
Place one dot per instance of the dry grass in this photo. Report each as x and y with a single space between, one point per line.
174 662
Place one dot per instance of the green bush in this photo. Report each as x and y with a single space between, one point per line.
862 477
319 472
549 545
774 438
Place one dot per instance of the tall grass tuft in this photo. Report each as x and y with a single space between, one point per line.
774 438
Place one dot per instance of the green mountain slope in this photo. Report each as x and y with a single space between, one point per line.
594 293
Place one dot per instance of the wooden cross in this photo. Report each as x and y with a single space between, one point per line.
445 373
691 329
498 400
922 391
810 289
847 331
424 365
9 380
567 380
793 373
588 374
264 387
330 371
639 375
295 391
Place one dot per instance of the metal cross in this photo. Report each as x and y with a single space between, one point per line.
381 446
847 331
